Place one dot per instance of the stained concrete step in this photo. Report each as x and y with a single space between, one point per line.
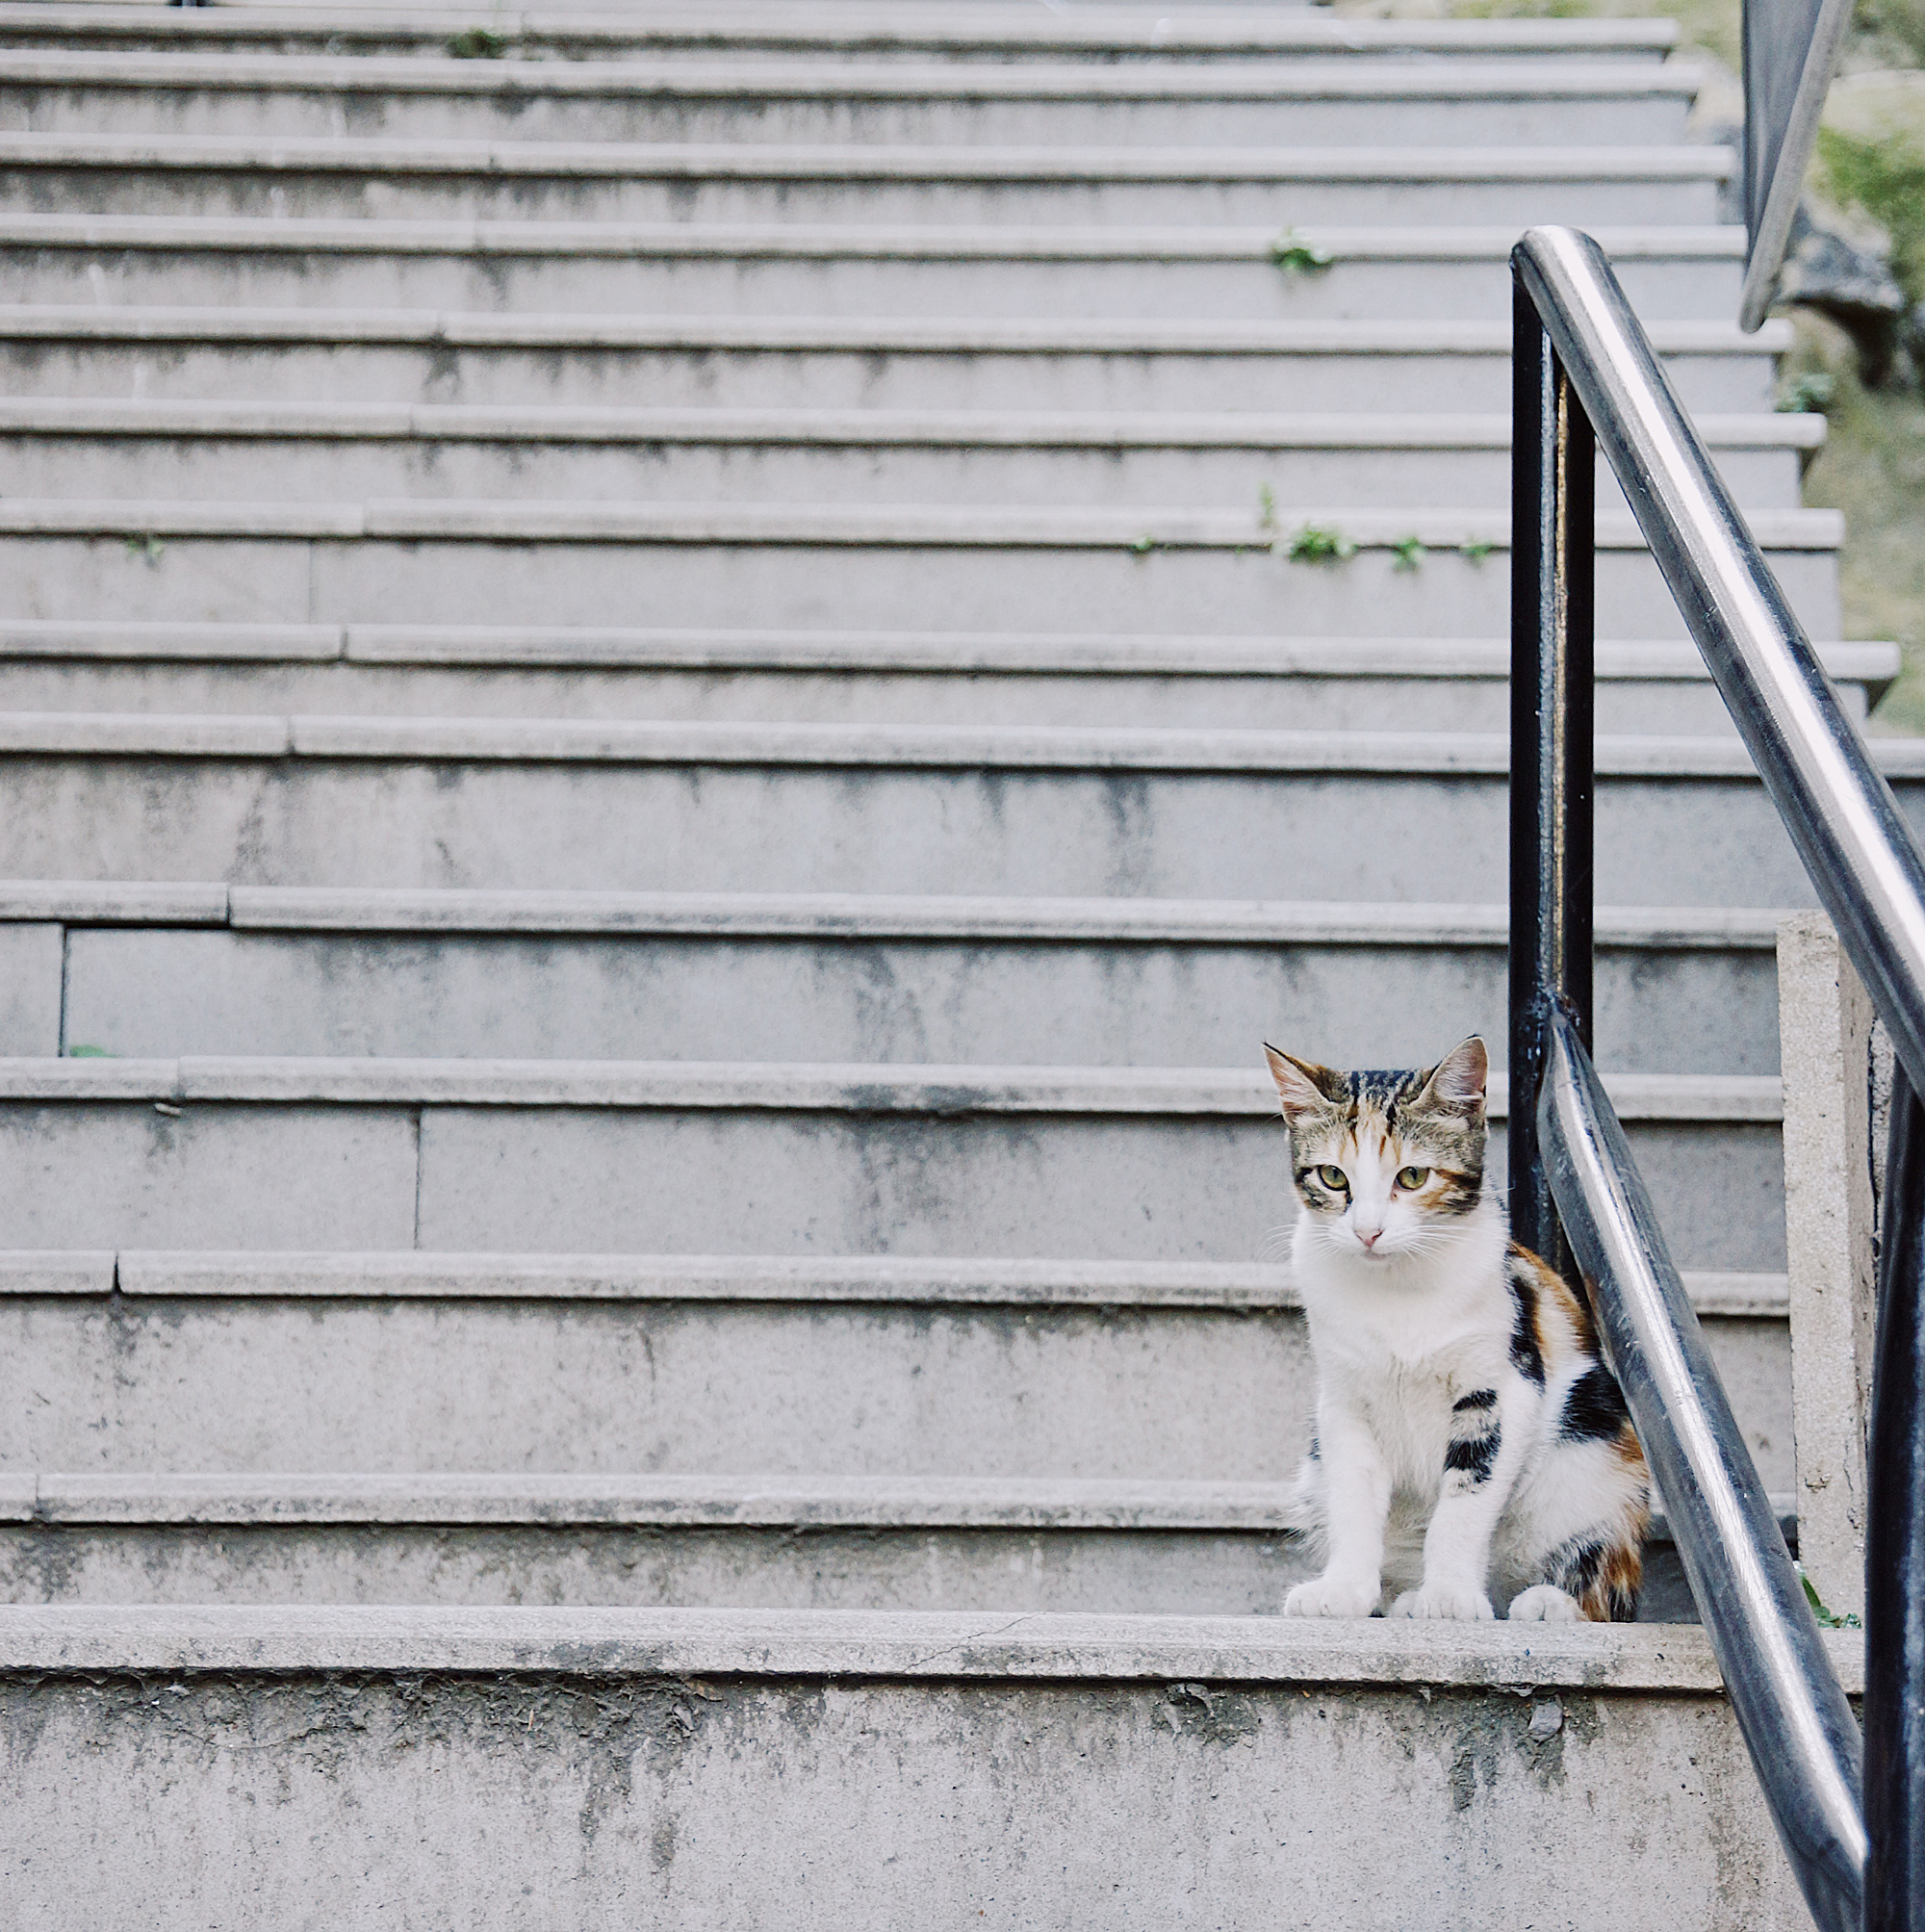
987 38
329 177
287 354
753 1368
94 447
1442 273
1164 1164
578 1759
1048 811
136 970
1032 1545
765 105
1337 684
442 560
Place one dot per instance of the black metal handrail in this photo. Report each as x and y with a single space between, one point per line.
1790 49
1852 1818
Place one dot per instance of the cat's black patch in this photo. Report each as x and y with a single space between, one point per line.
1477 1398
1594 1410
1474 1459
1527 1355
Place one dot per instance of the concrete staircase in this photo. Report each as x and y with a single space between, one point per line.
672 722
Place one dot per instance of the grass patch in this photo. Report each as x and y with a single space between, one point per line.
1316 543
1872 468
1292 252
478 43
1883 177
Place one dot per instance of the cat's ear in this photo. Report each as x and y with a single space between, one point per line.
1457 1080
1302 1086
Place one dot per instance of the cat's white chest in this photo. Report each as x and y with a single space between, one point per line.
1407 1407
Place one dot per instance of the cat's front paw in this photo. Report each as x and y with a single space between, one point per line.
1332 1596
1544 1603
1451 1601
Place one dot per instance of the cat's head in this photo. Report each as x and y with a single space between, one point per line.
1385 1162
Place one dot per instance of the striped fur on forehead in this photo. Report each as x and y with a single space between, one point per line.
1386 1110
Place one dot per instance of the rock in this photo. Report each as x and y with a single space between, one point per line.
1853 285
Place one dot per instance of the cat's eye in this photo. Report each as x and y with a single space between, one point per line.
1335 1179
1409 1179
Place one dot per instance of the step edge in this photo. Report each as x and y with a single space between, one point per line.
869 1087
830 1644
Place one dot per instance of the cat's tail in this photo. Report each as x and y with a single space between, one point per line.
1603 1567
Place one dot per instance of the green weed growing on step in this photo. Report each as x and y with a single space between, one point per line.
1827 1619
1315 544
1475 550
1408 552
89 1053
1808 395
478 43
1266 507
1143 545
147 547
1887 180
1290 251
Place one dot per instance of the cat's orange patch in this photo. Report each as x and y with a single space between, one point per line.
1613 1597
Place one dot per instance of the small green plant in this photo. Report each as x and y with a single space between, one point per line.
147 547
1827 1619
1408 552
478 43
1290 251
89 1053
1885 178
1475 550
1143 545
1811 394
1315 544
1266 507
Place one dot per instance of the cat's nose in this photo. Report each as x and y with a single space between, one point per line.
1369 1236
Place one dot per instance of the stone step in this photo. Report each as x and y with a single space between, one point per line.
1444 273
582 1759
754 1368
766 1541
935 677
1046 810
400 178
775 362
984 37
1160 1164
92 447
762 107
452 561
158 970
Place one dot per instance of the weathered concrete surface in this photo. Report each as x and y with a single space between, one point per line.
1192 1573
900 1177
490 806
1069 1567
422 356
902 1385
885 1389
319 1769
141 990
1825 1017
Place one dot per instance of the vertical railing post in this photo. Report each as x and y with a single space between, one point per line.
1894 1702
1554 488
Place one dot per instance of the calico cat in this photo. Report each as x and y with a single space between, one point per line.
1468 1435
